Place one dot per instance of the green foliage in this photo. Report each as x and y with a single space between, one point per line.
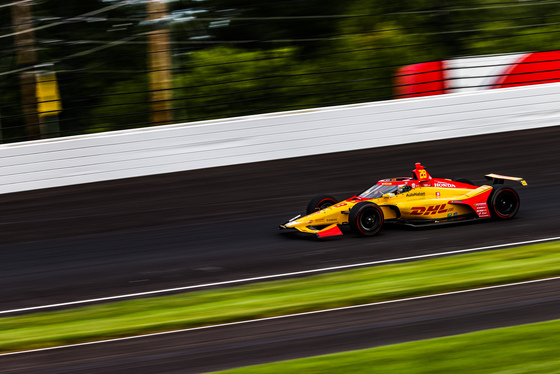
355 67
298 22
527 349
125 105
238 57
226 80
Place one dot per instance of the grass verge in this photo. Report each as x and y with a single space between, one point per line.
317 292
526 349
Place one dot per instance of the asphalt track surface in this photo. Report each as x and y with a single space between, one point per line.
258 342
181 229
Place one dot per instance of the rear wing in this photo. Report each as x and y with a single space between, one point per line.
499 179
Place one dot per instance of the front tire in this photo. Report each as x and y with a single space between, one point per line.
503 202
366 218
320 202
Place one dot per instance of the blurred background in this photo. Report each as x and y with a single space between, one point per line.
79 67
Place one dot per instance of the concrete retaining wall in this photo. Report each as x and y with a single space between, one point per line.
132 153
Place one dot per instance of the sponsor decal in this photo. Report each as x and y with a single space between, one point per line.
481 209
444 184
433 209
412 194
438 194
339 205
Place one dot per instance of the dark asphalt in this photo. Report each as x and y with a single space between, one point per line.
231 346
219 224
195 227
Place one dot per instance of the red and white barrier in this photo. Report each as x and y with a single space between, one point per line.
478 73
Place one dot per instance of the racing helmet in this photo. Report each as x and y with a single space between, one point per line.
403 188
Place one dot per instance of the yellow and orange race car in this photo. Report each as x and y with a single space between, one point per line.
416 200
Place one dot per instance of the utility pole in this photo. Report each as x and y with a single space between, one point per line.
26 56
159 62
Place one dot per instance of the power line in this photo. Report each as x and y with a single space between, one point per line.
15 3
186 42
238 94
128 39
68 20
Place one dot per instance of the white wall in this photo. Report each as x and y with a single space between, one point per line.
156 150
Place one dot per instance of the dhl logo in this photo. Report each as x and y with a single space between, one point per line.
426 211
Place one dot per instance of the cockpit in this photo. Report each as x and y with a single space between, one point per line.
378 190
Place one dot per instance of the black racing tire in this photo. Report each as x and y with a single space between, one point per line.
503 202
320 202
464 180
366 218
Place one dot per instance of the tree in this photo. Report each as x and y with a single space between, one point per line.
235 57
262 25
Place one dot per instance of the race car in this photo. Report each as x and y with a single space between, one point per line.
416 201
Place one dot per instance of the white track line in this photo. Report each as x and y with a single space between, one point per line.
274 276
282 317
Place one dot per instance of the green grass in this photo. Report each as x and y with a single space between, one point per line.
526 349
281 297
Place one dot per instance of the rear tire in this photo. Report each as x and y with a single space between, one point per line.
366 218
503 202
320 202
